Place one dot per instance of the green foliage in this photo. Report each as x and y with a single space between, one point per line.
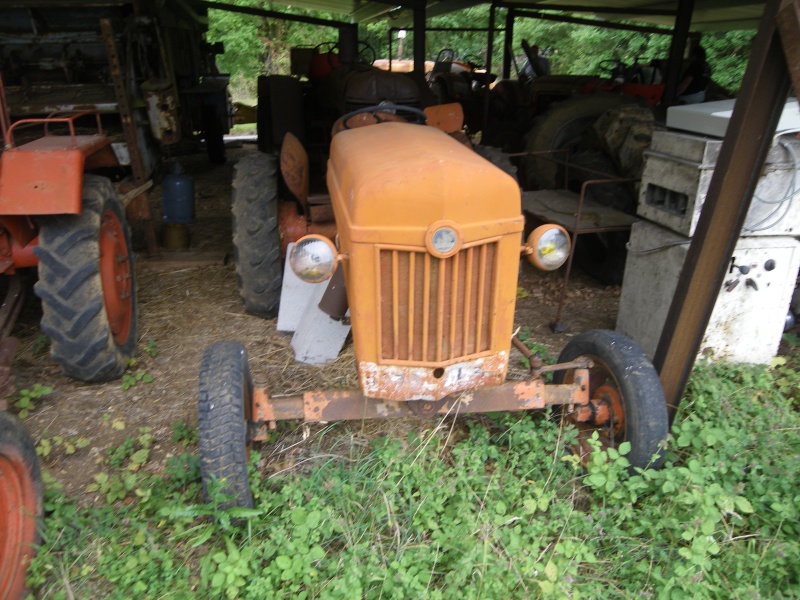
67 444
124 462
258 46
130 380
183 434
27 397
485 507
151 347
40 344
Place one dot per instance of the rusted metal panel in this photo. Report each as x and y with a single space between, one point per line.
396 382
293 225
321 213
294 168
435 310
41 183
343 405
45 176
162 110
447 117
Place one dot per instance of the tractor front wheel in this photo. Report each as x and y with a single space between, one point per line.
87 285
20 504
256 237
223 409
626 399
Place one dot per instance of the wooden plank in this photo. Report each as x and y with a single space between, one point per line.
140 208
561 207
788 22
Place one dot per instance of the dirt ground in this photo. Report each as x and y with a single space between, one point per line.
183 310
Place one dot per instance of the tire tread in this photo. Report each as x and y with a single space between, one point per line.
71 291
222 424
256 239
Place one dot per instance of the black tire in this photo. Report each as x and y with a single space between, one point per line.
563 127
223 408
20 505
625 380
87 285
214 136
256 237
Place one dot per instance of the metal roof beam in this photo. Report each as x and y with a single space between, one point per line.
593 23
600 10
273 14
403 18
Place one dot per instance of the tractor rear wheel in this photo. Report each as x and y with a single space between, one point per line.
562 127
87 285
223 409
20 504
626 399
256 238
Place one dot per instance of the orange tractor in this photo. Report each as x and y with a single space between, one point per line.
429 240
55 215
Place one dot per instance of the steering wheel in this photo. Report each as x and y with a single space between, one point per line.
378 113
611 66
329 48
366 53
473 60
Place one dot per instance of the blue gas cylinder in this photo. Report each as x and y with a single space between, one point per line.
177 196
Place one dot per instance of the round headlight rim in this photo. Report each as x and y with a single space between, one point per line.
331 247
532 243
434 228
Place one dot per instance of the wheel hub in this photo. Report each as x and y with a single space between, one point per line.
115 274
17 522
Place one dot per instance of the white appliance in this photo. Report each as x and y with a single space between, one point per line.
711 118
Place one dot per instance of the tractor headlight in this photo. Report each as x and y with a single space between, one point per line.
313 258
548 247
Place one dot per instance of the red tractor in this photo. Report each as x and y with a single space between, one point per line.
58 216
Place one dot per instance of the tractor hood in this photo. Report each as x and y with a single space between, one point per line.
389 182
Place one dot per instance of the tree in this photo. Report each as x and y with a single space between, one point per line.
258 46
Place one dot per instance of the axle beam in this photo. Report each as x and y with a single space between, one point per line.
349 405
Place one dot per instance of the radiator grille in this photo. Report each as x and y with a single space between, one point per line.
432 309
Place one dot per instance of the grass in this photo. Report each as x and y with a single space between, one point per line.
489 507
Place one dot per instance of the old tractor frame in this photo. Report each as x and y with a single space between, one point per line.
69 223
58 216
429 241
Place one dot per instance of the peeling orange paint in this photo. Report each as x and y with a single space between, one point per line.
401 383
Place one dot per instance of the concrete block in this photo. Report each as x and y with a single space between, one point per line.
747 321
677 173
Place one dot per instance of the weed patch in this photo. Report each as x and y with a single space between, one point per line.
501 510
